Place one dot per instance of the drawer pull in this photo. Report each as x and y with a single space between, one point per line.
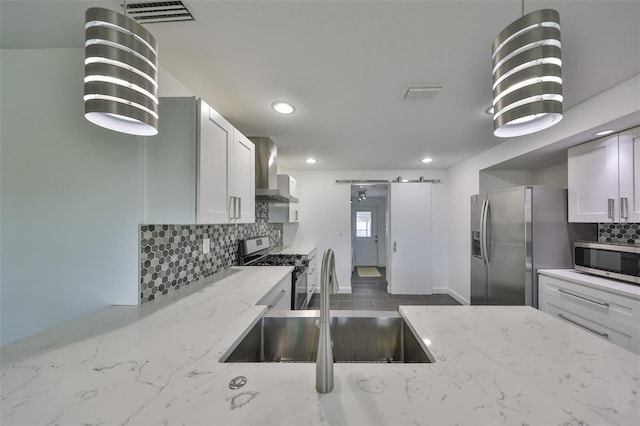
599 333
603 304
275 302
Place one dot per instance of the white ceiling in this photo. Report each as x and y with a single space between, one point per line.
345 64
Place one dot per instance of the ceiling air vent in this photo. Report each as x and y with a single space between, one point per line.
421 92
159 11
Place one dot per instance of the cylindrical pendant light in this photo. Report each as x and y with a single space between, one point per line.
121 74
527 80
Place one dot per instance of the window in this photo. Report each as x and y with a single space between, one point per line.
363 224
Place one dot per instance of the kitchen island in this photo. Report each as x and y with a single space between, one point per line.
159 364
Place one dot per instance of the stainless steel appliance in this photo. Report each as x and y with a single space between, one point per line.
618 261
255 252
515 232
267 188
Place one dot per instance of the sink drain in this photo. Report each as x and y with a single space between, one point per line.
237 382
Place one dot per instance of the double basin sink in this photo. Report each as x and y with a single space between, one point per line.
358 336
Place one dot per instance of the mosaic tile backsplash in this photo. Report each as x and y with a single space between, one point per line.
623 233
171 255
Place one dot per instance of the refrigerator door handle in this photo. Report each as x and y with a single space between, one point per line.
484 251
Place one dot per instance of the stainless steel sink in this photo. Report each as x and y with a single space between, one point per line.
358 336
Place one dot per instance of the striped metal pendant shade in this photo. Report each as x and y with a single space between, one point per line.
527 80
121 74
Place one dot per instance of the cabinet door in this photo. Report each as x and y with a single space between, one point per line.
215 140
242 171
410 242
629 146
293 187
294 212
593 180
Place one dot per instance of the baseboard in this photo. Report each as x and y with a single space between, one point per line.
440 290
458 297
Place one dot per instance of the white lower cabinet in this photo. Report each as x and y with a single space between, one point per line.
605 314
279 298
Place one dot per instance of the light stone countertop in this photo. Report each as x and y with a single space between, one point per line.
614 286
158 364
304 249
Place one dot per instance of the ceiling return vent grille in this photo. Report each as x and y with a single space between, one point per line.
421 92
159 11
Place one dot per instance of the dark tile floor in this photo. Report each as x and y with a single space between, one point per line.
371 294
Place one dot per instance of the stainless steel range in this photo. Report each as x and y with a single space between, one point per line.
255 252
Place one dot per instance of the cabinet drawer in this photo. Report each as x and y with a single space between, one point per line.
279 297
600 302
623 335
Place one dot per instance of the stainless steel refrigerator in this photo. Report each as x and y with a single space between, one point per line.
515 232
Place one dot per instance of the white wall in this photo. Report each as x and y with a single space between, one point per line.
493 180
464 179
70 197
326 216
554 176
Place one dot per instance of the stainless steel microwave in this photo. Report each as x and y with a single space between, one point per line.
617 261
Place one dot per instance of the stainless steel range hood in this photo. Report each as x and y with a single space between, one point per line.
267 173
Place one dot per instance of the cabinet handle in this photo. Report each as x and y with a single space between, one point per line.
603 304
232 207
394 247
239 212
624 208
275 302
599 333
610 208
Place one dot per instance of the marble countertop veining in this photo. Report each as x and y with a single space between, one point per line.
494 365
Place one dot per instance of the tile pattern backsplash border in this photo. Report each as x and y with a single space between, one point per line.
622 233
171 256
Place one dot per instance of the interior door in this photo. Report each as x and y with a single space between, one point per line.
365 235
410 269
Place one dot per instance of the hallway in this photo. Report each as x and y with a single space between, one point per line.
371 294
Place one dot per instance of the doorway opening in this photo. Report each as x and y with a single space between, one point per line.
369 221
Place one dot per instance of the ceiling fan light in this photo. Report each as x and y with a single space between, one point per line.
527 80
121 74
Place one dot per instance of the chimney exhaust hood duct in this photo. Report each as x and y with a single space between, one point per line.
267 173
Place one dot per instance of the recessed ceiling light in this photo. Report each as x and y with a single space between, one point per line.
311 161
283 107
427 160
603 132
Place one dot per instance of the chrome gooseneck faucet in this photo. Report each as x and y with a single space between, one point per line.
324 360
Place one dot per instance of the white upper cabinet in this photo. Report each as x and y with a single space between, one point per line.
604 179
286 212
242 179
216 144
198 169
629 183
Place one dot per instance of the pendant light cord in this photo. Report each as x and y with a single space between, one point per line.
521 15
124 7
